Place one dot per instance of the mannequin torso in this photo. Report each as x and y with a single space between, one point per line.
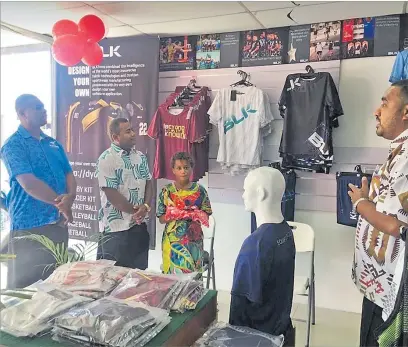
262 291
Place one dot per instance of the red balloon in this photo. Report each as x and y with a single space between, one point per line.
64 27
93 27
68 50
93 55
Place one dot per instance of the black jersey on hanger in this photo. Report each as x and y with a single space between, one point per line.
310 105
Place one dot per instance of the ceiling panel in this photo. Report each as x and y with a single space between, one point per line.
235 22
328 12
273 5
266 5
43 21
123 31
92 3
141 12
36 6
9 39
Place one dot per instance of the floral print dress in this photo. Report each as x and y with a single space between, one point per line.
182 244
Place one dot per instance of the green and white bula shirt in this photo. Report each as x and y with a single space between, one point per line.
128 173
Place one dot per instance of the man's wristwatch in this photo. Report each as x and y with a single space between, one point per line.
147 207
357 202
403 232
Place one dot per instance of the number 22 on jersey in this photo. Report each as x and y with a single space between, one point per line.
142 129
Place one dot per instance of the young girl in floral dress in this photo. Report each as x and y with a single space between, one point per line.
183 207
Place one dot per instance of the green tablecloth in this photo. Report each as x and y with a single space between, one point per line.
177 321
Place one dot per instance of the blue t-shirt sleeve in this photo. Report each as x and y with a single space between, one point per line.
65 162
397 72
247 280
15 158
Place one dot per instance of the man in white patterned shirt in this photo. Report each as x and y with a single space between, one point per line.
382 225
126 193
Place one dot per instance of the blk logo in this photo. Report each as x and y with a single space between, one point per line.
316 140
230 123
293 84
353 215
113 51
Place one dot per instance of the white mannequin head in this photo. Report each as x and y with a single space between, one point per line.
263 191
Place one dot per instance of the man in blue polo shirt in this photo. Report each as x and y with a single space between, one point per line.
42 190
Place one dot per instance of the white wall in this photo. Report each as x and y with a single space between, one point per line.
362 83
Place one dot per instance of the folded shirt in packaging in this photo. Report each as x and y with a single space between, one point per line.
225 335
153 289
35 316
112 322
92 278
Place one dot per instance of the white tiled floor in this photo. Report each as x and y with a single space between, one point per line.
332 329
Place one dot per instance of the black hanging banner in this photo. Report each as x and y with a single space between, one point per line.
230 50
299 44
264 47
403 34
325 41
358 38
177 53
88 99
386 35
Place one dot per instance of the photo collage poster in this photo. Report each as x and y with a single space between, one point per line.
358 38
325 41
264 47
208 52
177 53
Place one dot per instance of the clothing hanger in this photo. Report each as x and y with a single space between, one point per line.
310 73
276 165
358 172
244 80
185 96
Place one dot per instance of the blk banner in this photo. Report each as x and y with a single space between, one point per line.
88 99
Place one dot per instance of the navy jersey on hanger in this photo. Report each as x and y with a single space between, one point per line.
310 106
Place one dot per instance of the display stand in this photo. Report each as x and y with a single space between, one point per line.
183 330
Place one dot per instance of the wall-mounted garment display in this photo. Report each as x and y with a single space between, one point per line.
345 213
241 113
310 106
400 68
181 125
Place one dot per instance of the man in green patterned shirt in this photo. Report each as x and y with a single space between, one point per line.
126 193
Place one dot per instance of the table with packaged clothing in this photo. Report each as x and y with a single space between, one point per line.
95 303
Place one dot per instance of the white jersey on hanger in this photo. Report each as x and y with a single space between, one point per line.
240 114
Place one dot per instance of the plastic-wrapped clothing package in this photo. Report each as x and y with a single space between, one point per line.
111 322
35 316
10 300
191 295
92 279
225 335
152 289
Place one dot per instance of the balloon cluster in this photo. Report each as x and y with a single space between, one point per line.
78 42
